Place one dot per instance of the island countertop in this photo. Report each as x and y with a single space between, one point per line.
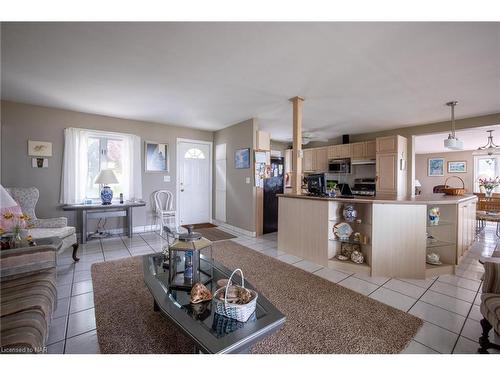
387 199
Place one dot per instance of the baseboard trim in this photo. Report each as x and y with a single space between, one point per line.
234 228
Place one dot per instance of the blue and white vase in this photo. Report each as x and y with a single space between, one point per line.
106 195
350 214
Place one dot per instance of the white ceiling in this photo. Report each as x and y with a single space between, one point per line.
355 77
472 139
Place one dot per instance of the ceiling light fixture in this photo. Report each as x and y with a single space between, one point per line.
453 143
490 147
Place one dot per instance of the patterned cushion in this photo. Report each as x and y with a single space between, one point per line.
490 308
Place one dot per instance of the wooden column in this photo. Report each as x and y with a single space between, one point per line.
297 103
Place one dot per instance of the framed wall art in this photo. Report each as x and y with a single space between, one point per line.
242 158
435 167
39 149
457 167
156 157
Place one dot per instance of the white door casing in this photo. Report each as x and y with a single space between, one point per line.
220 182
194 181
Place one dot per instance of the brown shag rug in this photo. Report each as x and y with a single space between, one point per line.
214 234
322 317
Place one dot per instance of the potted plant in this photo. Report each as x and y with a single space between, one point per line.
489 184
13 226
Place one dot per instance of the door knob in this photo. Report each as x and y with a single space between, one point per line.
182 190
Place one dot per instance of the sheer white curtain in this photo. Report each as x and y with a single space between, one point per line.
75 164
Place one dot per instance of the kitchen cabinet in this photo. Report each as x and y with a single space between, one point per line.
466 228
334 152
345 150
263 140
371 149
387 144
321 160
391 165
358 150
308 160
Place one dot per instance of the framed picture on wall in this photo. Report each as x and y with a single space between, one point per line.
39 148
156 157
435 167
457 167
242 158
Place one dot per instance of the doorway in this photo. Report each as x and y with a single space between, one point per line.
194 181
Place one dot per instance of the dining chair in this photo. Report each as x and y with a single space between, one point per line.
164 208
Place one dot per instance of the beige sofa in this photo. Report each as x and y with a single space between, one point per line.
43 228
490 303
29 296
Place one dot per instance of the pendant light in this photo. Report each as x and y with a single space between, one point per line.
490 147
453 143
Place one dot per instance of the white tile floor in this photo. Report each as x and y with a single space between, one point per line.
449 305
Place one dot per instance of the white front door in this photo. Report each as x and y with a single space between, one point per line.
194 182
220 182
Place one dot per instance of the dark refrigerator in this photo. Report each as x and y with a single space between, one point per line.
272 186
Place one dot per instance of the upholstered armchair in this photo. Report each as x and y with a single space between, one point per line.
42 228
490 304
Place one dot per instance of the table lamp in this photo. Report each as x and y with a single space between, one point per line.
6 200
105 177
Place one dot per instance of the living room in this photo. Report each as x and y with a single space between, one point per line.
213 184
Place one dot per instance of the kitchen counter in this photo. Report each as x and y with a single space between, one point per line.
389 199
393 232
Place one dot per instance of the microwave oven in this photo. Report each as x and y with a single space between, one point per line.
339 165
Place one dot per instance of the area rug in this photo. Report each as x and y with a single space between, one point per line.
214 234
322 317
201 225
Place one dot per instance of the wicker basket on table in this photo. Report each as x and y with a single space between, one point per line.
453 190
240 312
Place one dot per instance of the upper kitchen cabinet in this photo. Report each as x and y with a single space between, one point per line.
391 160
345 150
371 149
387 144
308 160
358 150
263 140
322 159
315 159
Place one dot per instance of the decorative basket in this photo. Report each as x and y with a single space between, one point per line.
452 190
240 312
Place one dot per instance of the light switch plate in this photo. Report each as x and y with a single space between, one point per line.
166 178
247 180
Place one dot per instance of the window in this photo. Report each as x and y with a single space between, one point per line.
486 166
104 153
194 153
87 152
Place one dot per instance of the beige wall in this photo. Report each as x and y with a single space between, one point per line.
240 196
428 182
21 122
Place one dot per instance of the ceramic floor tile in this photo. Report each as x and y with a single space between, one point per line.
446 302
374 280
332 275
83 266
62 308
64 278
271 252
82 302
358 285
477 299
415 347
85 343
82 287
394 299
408 289
57 330
453 291
473 330
308 266
465 346
436 338
63 291
92 258
56 348
82 276
81 322
469 274
141 251
440 317
290 259
461 282
475 313
422 283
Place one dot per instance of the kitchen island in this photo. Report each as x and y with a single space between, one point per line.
394 233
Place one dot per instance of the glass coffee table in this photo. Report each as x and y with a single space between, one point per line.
210 332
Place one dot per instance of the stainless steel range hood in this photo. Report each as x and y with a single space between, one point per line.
363 162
